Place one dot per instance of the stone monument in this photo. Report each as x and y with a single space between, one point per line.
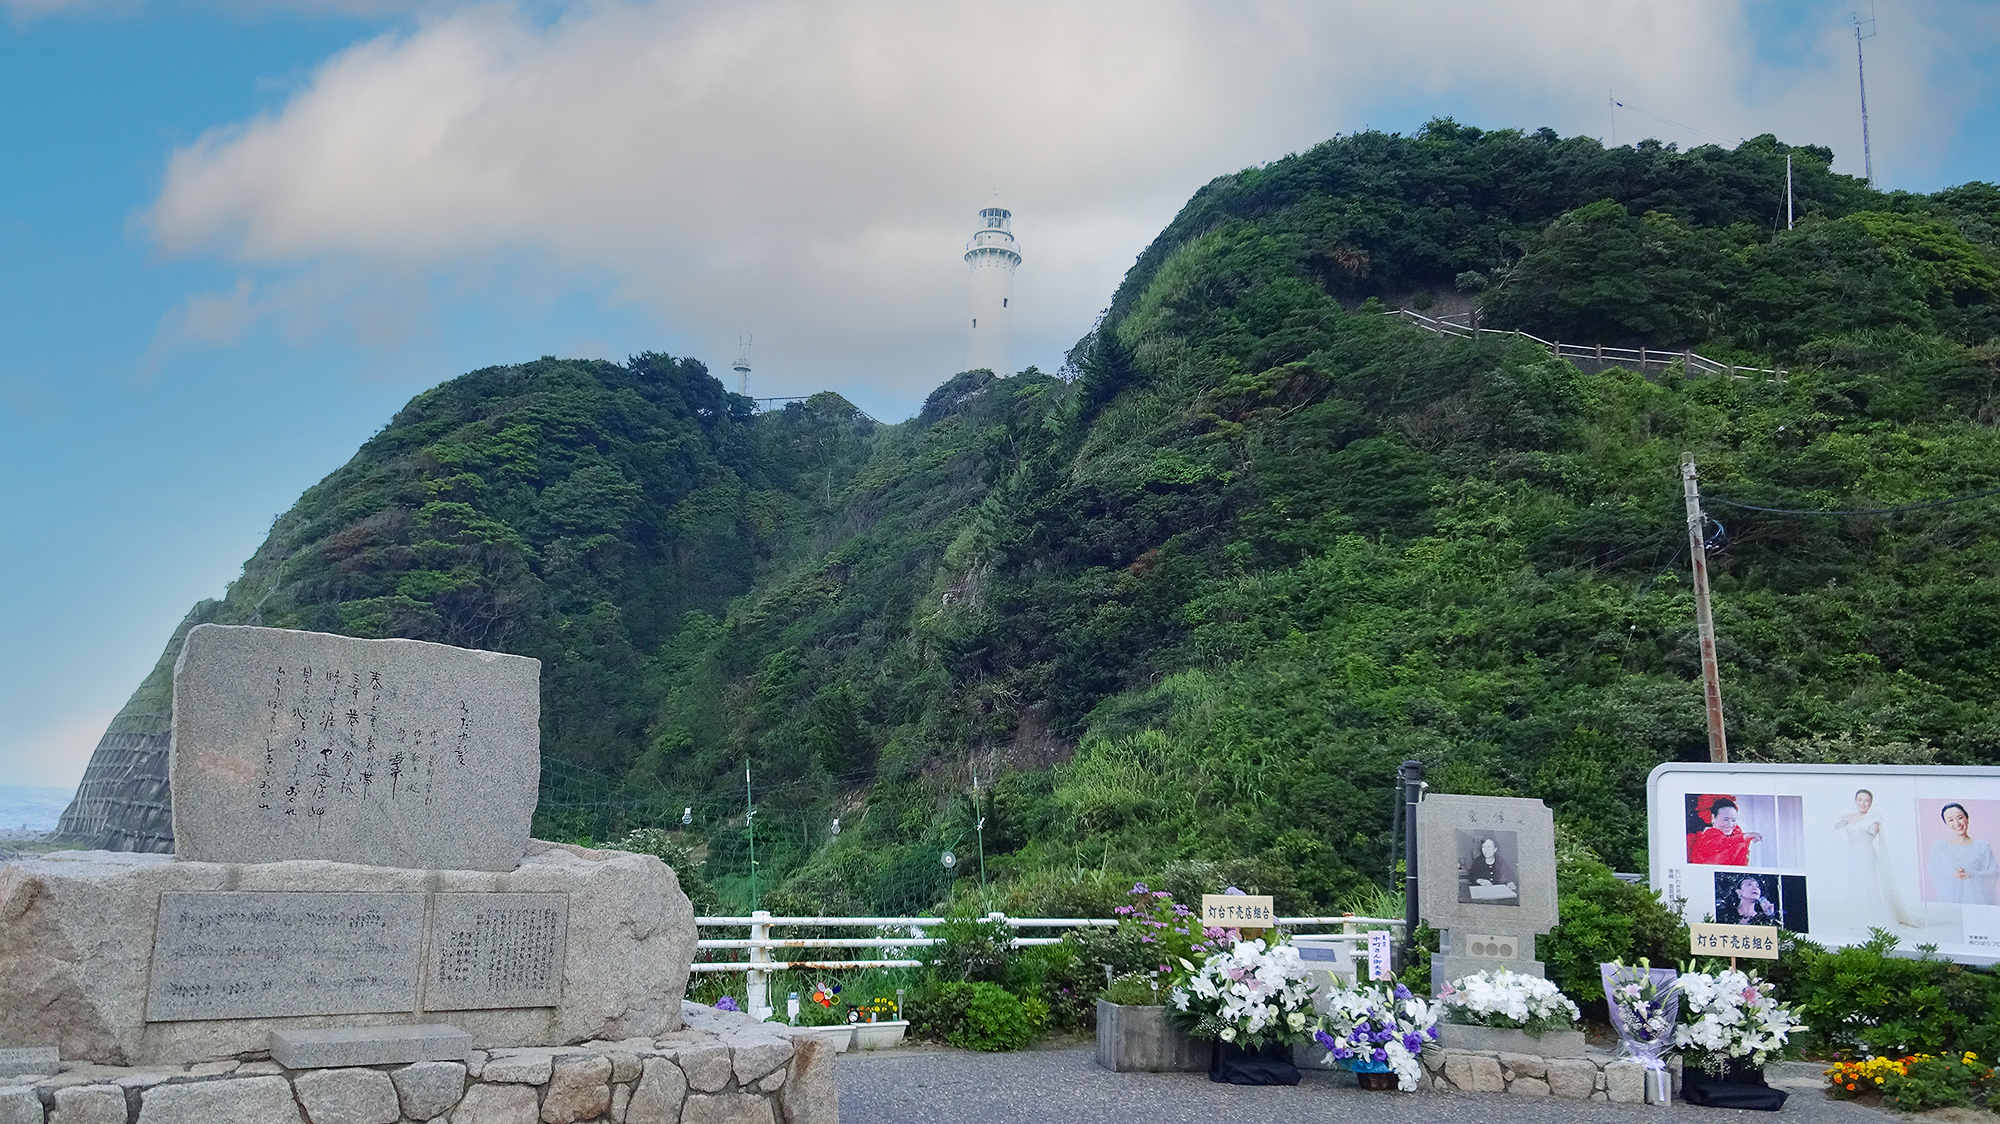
351 820
1486 878
290 745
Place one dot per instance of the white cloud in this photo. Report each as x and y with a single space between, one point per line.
807 169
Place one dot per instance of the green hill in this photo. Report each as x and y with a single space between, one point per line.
1191 601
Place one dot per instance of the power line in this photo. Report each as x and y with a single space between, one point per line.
1898 509
1669 121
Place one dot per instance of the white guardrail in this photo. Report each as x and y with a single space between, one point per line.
1643 356
1340 947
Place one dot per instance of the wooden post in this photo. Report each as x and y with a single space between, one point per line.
1718 745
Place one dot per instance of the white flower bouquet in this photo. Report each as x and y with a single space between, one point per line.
1377 1026
1645 1006
1731 1015
1250 996
1503 998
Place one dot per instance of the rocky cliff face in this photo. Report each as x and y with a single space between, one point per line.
123 802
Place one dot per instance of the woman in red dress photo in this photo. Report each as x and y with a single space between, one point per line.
1723 842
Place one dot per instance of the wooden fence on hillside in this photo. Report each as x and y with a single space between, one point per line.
1632 358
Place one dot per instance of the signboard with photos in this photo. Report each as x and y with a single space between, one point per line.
1833 851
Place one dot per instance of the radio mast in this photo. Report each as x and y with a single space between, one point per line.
1861 71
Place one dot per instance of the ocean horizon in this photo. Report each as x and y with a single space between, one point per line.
32 807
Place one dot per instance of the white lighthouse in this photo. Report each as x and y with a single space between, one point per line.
993 256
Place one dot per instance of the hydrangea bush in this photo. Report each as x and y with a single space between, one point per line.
1251 995
1502 998
1731 1015
1169 930
1380 1023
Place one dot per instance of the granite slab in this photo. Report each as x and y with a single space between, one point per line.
305 745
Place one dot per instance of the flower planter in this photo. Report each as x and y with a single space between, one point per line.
879 1036
1495 1040
1142 1040
840 1036
1375 1082
1374 1076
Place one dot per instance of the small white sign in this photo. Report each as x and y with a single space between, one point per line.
1237 911
1378 954
1759 942
1982 926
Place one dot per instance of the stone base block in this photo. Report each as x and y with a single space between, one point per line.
1504 1040
78 939
369 1045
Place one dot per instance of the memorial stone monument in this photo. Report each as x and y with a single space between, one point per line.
291 745
1486 878
351 820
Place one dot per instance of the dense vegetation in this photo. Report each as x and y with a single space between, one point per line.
1188 604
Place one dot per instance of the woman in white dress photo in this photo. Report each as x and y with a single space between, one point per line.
1876 897
1962 868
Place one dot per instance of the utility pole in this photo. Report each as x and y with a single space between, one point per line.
1788 191
1718 745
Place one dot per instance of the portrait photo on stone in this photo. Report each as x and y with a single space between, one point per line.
1489 866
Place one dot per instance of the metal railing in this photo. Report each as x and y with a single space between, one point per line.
1642 356
1341 948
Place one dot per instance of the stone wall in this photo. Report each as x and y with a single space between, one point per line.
718 1069
1595 1076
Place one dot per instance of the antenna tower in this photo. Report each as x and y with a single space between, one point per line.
742 367
1861 71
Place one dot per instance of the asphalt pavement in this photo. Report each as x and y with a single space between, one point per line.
1064 1085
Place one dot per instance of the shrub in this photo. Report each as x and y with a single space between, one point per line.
971 950
1165 931
1038 1014
1118 948
979 1016
1860 1000
1058 979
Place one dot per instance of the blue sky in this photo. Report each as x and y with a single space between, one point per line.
237 235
